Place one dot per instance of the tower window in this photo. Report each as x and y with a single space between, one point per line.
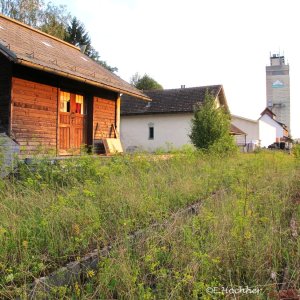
151 133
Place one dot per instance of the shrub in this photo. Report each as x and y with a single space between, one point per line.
296 151
224 146
211 125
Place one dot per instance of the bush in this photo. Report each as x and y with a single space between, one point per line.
224 146
211 127
296 151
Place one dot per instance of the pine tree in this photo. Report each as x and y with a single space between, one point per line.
77 35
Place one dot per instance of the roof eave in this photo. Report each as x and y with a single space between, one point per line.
237 133
224 104
246 119
10 55
156 113
77 78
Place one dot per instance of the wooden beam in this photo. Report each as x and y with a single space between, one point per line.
118 113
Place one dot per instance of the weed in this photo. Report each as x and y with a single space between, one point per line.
52 213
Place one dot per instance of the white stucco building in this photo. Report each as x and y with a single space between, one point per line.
264 131
247 125
168 130
165 122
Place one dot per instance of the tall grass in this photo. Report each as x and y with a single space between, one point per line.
53 213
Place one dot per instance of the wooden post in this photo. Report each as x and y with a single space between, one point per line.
57 119
118 112
11 108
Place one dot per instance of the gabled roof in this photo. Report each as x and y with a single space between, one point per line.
268 111
181 100
243 118
236 131
282 125
27 46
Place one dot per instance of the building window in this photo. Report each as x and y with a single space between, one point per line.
65 99
151 133
79 108
71 103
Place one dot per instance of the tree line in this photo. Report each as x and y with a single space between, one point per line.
54 20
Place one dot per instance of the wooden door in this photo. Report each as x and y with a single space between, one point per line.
72 123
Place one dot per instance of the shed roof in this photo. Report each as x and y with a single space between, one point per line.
27 46
181 100
236 131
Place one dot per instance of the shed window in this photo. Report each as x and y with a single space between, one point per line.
79 109
65 101
151 133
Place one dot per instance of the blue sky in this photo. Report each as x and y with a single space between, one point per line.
198 42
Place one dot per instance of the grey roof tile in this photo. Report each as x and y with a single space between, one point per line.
181 100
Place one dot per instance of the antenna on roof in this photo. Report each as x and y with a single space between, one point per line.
82 48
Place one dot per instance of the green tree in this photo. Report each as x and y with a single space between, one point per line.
211 125
54 21
77 35
48 18
26 11
145 82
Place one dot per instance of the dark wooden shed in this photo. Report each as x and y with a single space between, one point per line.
52 96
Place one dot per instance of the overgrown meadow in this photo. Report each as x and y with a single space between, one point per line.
245 234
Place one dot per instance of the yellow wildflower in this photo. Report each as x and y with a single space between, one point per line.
77 289
76 229
25 244
90 273
247 235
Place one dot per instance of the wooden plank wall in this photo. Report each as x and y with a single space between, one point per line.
34 115
5 86
34 108
104 115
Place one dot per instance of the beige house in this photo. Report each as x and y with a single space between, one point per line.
165 122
